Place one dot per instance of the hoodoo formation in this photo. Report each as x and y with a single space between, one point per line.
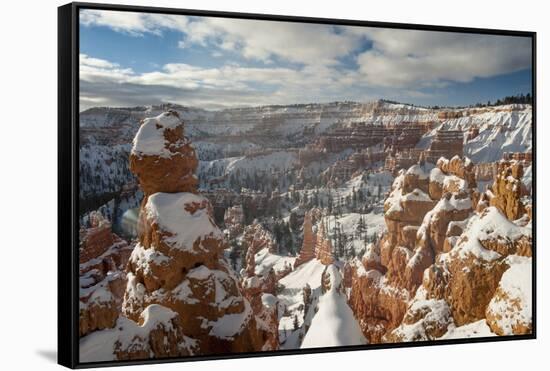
441 265
323 247
103 257
307 251
179 285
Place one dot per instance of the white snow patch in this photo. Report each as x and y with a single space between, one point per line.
471 330
334 323
516 283
100 345
150 140
168 210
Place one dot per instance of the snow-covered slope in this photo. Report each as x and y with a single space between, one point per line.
103 169
266 261
334 323
501 129
308 274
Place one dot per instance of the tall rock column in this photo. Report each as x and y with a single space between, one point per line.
308 245
507 189
323 247
178 262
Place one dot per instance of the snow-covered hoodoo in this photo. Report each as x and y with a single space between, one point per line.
441 267
180 287
103 257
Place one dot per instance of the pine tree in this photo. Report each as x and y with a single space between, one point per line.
360 228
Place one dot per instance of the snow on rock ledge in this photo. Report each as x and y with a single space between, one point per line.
162 157
510 311
157 334
150 138
185 218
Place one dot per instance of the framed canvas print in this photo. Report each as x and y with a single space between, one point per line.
236 185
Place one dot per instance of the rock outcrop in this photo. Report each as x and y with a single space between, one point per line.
468 276
260 292
255 238
234 220
377 306
103 257
440 264
323 247
507 190
157 333
179 261
446 115
510 310
307 252
162 158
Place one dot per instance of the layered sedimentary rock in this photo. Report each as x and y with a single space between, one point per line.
440 263
179 261
103 257
446 143
446 115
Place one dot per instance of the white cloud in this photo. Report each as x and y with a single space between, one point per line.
404 58
253 39
95 69
263 40
107 82
135 24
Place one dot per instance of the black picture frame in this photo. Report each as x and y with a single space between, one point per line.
68 180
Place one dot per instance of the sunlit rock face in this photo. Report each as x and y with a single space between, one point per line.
441 264
259 290
507 190
324 251
103 257
307 251
179 262
162 158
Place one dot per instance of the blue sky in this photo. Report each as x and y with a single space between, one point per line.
130 59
